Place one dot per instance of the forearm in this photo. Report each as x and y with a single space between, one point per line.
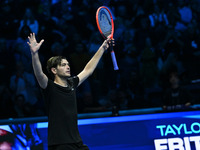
91 65
37 67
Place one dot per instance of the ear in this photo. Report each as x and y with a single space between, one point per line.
54 71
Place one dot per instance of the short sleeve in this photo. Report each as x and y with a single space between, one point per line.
74 81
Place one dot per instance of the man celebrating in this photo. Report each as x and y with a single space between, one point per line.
60 95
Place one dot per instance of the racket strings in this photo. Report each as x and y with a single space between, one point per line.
105 22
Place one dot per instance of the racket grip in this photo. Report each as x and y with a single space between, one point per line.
114 60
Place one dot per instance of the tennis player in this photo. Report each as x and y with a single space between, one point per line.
60 95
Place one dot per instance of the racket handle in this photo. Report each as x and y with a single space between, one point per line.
114 60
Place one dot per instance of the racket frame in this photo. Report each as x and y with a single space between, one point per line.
110 36
111 18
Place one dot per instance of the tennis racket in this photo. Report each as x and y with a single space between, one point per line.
105 25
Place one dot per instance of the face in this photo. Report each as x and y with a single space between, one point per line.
63 70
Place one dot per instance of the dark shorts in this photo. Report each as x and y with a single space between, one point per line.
69 146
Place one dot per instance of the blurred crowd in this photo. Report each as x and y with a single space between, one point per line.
157 46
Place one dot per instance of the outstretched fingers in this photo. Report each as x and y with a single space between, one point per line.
33 44
32 37
41 42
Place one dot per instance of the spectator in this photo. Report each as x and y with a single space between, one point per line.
6 104
23 83
149 70
30 21
176 97
9 21
6 61
21 52
22 108
57 49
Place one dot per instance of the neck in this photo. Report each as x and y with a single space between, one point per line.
61 81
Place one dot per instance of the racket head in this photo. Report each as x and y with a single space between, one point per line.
105 22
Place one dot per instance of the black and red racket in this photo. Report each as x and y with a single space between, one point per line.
105 25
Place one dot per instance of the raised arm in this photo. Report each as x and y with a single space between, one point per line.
91 65
37 67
